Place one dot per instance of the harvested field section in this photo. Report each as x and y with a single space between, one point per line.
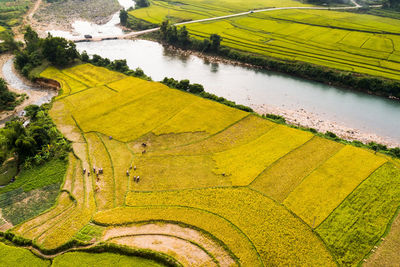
70 176
65 123
287 173
313 200
244 163
67 228
221 229
354 228
279 237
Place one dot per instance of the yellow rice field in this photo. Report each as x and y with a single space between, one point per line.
255 187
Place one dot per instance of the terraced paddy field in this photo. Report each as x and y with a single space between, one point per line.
206 184
341 40
199 9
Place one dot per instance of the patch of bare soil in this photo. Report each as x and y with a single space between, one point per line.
160 237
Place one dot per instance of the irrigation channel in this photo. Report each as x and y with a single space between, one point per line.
347 113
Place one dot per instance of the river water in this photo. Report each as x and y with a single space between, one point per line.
311 104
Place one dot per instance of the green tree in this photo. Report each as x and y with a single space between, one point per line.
142 3
31 39
6 97
123 17
163 29
215 42
10 44
183 36
59 51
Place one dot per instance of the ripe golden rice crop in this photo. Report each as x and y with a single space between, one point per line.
279 237
288 172
313 199
221 229
242 164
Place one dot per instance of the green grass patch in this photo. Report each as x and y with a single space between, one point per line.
40 176
18 206
89 232
355 227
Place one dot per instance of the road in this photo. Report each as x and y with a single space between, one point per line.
138 33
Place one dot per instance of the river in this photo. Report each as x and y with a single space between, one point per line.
348 113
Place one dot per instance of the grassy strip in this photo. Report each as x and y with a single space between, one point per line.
40 176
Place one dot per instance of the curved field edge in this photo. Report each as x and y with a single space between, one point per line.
222 231
284 238
30 256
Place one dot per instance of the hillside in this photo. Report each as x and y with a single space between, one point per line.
206 183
